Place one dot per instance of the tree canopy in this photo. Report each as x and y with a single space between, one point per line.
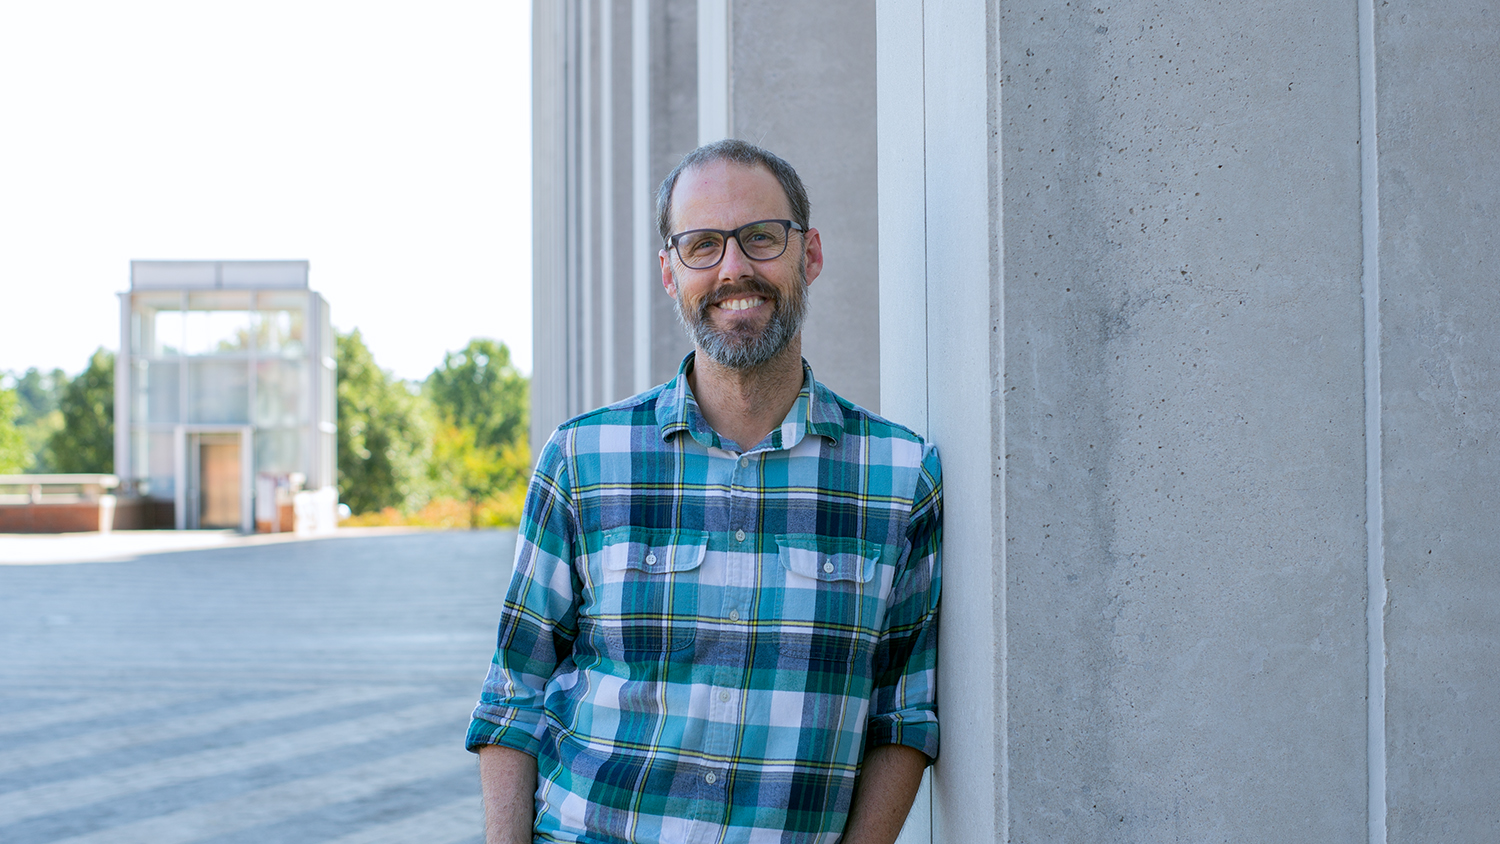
480 451
13 451
479 388
86 441
384 437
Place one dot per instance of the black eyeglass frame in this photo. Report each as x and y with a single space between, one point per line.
791 226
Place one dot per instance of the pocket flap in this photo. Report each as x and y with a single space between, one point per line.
828 559
658 552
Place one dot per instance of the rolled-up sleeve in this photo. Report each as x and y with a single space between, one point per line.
539 619
903 704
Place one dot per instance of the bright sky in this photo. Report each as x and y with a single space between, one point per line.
389 144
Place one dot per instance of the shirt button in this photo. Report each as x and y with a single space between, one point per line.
711 778
650 559
739 536
744 461
724 696
734 615
828 567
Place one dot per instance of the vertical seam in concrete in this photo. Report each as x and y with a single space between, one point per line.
1374 504
641 138
604 235
993 105
926 326
926 238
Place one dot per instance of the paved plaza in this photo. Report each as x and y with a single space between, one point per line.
287 692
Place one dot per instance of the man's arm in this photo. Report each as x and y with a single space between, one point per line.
888 782
508 778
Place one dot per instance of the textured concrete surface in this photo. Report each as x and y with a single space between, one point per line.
1439 113
1183 378
807 93
314 691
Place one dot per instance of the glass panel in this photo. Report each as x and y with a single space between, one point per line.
278 452
159 465
149 331
156 391
219 391
217 322
218 332
278 393
139 456
165 334
280 333
137 403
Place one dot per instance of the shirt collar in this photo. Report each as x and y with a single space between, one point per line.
815 411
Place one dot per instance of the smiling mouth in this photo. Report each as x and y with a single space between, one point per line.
743 303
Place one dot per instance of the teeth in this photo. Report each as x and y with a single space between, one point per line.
741 304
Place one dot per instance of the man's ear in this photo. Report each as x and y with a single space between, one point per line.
666 273
813 254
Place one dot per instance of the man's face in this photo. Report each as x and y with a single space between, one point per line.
741 313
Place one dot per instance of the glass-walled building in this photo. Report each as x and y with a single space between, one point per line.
224 391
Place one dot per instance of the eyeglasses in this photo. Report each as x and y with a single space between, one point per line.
762 240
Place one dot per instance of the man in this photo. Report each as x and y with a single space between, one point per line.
722 623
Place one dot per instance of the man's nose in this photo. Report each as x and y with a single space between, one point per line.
734 264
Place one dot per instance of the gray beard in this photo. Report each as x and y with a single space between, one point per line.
740 350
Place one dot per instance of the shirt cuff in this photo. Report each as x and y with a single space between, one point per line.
522 737
917 730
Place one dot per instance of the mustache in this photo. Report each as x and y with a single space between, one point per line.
738 290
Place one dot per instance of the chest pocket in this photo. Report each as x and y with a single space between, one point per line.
646 600
828 607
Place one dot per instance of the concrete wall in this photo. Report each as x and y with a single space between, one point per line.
1438 72
1143 238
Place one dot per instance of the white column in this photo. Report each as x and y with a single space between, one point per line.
713 70
643 233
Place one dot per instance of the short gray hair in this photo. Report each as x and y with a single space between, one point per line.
739 152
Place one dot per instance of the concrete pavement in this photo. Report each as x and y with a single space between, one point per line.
288 691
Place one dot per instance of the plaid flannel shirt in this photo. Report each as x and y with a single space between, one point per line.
699 644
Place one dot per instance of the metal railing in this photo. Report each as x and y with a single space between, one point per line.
55 489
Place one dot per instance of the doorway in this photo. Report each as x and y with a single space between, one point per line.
218 477
213 477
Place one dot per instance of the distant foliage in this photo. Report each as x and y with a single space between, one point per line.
38 394
481 390
86 440
453 454
480 453
13 452
384 434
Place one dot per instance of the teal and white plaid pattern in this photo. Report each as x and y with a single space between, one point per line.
698 645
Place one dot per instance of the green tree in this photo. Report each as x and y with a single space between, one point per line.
86 441
480 455
13 451
38 394
480 389
384 434
475 474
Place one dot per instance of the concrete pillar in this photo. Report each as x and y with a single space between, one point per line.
1438 102
1165 294
940 318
